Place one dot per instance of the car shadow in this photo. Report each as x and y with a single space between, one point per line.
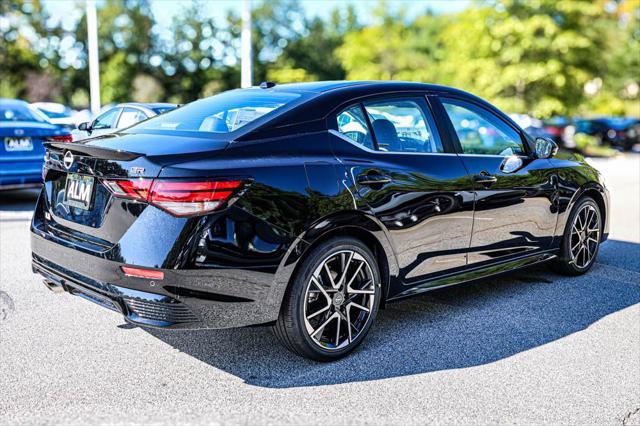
458 327
19 200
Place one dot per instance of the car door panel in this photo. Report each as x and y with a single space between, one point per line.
515 214
423 199
514 211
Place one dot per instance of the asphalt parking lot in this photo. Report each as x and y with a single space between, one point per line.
528 348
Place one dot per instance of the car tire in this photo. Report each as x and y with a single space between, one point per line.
322 299
581 239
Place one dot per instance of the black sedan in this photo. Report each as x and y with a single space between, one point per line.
308 207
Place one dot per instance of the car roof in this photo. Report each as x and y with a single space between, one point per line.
319 99
51 106
146 105
373 85
13 101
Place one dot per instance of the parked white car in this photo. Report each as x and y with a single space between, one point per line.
58 114
119 117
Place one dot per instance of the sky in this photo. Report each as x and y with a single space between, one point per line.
164 10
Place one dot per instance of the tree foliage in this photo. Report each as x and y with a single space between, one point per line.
543 57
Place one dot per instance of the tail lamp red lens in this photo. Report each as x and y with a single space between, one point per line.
553 130
61 138
149 274
180 198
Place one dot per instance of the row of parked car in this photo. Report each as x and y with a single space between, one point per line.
621 133
25 127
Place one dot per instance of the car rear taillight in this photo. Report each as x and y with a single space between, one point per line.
150 274
135 189
191 198
61 138
180 198
553 130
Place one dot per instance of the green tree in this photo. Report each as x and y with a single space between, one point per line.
125 38
22 57
394 49
313 55
191 60
532 57
275 24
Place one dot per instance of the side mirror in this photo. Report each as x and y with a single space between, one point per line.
84 126
545 148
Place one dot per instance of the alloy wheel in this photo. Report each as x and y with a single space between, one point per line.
585 236
339 299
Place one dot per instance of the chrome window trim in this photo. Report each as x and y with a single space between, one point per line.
494 155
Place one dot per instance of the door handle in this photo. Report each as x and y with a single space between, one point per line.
373 179
485 179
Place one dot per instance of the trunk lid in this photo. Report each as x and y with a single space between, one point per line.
81 207
22 140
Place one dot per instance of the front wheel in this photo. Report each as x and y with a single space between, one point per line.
581 239
332 302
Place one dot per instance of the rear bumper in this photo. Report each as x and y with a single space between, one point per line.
14 186
20 179
140 301
20 173
142 308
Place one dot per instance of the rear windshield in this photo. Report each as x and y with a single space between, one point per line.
222 113
54 114
162 109
18 112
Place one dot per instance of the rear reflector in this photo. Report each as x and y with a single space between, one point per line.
180 198
150 274
61 138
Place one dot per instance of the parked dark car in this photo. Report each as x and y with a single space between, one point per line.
308 207
23 129
561 130
619 132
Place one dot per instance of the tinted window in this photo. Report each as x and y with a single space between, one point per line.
55 114
106 120
130 116
401 125
222 113
163 109
480 131
18 112
352 124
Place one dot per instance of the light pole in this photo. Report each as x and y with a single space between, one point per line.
92 45
246 77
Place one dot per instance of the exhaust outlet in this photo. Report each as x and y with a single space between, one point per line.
56 288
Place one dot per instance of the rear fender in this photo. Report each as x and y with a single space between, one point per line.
346 223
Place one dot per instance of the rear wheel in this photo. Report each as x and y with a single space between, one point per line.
332 301
581 239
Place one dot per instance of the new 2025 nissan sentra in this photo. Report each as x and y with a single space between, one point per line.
308 207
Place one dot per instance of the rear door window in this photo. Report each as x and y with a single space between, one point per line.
403 125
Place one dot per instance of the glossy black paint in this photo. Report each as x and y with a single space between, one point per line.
428 221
